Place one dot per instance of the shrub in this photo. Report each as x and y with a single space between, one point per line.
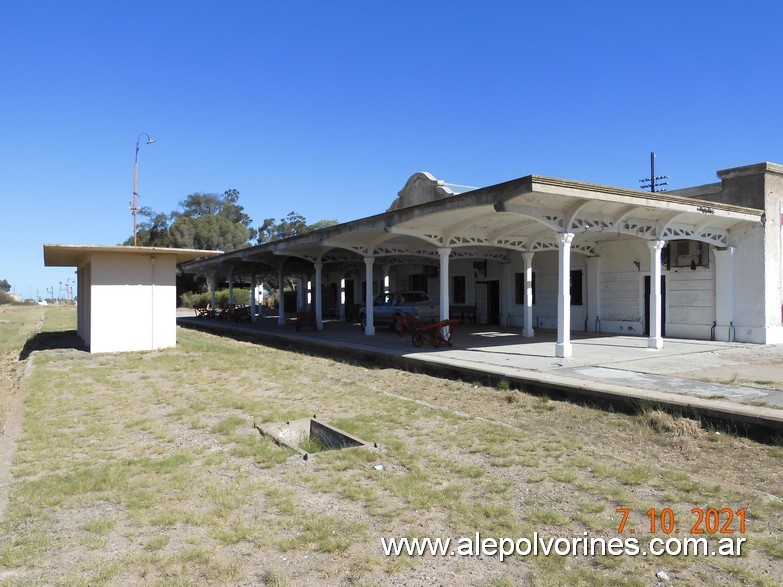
241 296
191 299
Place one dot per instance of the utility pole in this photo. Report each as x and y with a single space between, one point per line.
653 181
134 205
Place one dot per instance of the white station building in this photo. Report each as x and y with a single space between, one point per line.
545 253
126 296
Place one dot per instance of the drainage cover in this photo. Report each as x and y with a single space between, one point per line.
308 436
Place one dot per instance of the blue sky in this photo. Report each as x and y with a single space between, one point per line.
326 108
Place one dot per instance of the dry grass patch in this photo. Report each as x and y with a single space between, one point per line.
153 455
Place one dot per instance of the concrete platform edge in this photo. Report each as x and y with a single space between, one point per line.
428 363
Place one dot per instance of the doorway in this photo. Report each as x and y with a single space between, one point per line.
488 302
647 295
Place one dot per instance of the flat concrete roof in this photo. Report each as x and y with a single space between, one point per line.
77 255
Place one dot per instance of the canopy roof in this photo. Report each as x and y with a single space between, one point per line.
78 255
522 215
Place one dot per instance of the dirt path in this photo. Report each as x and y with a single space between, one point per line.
14 374
11 432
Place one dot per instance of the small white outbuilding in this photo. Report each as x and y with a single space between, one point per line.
127 296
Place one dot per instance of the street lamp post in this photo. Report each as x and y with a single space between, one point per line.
134 208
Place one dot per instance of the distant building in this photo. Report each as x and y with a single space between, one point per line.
546 253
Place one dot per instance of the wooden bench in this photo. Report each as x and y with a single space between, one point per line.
464 312
304 319
241 313
234 312
204 311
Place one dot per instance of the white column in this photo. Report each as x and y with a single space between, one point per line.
528 268
563 348
369 328
655 341
506 293
319 324
281 297
252 298
300 294
386 283
593 292
231 288
724 291
342 299
444 253
212 284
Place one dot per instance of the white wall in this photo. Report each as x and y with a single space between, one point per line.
749 295
622 285
545 267
133 302
85 305
690 301
690 294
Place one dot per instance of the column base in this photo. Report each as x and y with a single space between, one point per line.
369 330
655 342
281 321
563 350
528 333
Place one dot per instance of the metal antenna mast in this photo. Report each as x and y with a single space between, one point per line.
653 182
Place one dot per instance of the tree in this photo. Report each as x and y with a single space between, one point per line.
153 232
208 232
292 225
215 222
204 221
200 205
4 285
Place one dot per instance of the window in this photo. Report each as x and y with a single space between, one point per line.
686 254
458 286
576 287
418 282
519 288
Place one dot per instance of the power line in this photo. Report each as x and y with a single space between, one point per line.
653 182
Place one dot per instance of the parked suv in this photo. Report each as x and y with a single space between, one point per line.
387 306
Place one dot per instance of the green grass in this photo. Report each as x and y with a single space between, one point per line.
546 518
323 534
100 526
638 475
17 325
